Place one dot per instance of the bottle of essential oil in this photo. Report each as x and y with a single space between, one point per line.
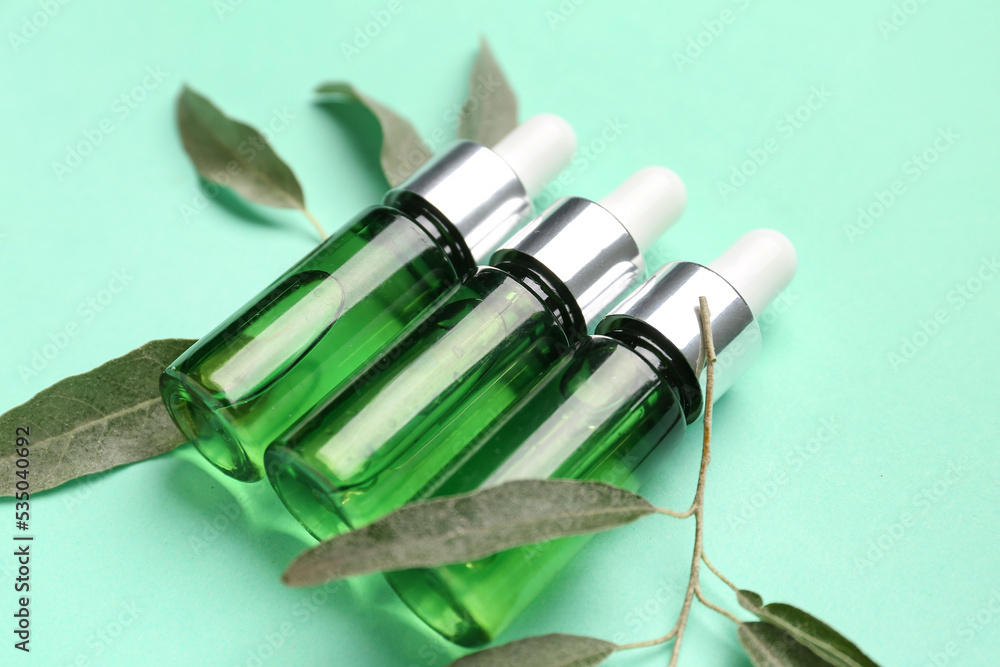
390 432
634 386
246 382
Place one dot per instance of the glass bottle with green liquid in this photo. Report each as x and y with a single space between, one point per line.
235 390
391 431
632 387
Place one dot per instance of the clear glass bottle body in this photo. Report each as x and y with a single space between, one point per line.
242 385
392 431
596 418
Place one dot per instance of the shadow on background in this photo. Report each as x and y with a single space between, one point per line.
363 134
248 212
364 607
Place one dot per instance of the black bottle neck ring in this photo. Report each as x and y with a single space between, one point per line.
668 306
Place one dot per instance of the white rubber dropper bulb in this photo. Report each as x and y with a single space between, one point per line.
537 150
648 203
759 265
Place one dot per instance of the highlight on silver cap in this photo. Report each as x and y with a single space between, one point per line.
587 248
477 191
669 302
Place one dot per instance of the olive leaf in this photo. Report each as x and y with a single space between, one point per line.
553 650
456 529
403 151
235 155
820 638
94 421
490 110
770 646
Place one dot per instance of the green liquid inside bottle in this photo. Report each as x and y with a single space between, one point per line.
596 418
244 384
396 427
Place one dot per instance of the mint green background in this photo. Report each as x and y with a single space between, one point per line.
790 516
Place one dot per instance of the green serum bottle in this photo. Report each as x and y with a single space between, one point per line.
242 385
396 426
633 387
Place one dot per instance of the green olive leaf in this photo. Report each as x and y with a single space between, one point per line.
808 630
403 151
490 111
770 646
749 600
233 154
553 650
457 529
94 421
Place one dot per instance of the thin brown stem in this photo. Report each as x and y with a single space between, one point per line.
691 589
698 505
697 509
649 642
677 515
315 222
711 567
715 607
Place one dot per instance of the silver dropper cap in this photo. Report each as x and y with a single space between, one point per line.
595 249
486 193
737 286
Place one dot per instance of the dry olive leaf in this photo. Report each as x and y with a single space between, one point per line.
490 111
403 151
820 638
769 646
235 155
553 650
94 421
456 529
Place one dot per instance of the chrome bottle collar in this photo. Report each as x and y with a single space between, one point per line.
668 302
586 248
476 190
